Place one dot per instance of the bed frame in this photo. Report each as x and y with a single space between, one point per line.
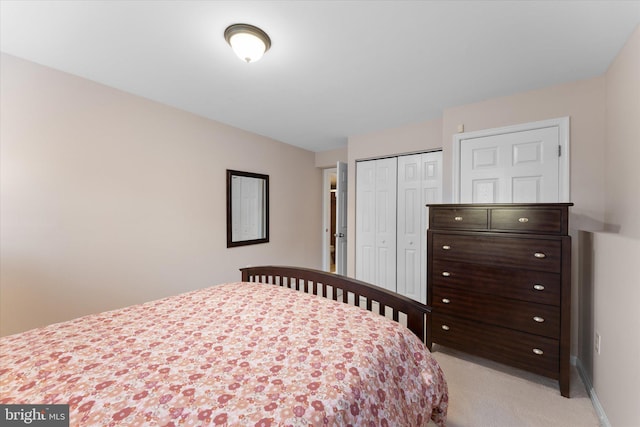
328 285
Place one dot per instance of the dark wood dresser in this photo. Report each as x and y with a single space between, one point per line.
499 284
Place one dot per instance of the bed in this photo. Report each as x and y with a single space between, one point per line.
246 353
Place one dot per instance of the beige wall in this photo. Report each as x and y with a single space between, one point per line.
614 257
616 317
329 159
623 141
108 199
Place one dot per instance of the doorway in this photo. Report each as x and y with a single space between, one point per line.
334 258
329 220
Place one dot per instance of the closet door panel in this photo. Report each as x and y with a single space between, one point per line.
419 183
409 236
366 221
385 217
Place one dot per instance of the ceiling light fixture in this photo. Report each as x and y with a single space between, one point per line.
247 41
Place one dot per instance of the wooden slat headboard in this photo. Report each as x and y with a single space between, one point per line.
348 290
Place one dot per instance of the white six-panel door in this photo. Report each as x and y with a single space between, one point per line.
419 183
365 220
410 212
517 164
376 222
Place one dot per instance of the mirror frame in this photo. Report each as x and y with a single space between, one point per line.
265 209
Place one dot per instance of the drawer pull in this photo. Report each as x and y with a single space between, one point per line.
538 351
523 220
446 247
457 218
446 300
445 328
446 274
538 319
538 287
539 255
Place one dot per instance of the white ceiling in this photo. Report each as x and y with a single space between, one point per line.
335 68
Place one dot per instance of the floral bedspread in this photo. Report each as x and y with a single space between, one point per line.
238 354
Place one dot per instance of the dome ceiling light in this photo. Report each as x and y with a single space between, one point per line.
247 41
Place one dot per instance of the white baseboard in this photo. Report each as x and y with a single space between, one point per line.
604 421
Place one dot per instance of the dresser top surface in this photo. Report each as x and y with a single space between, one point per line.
499 205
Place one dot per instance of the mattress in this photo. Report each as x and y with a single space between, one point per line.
240 354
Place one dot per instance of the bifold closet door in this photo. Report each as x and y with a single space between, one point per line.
419 183
376 222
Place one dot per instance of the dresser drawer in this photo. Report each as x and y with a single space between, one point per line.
533 353
526 285
512 252
458 219
534 318
526 220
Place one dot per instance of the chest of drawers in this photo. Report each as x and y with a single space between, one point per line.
499 284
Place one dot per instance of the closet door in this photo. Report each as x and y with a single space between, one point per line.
376 222
386 190
366 221
419 183
409 237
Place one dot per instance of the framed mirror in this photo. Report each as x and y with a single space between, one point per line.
247 208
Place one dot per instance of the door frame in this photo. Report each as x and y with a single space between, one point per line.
341 215
326 217
562 123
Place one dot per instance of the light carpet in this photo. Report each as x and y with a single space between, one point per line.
488 394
